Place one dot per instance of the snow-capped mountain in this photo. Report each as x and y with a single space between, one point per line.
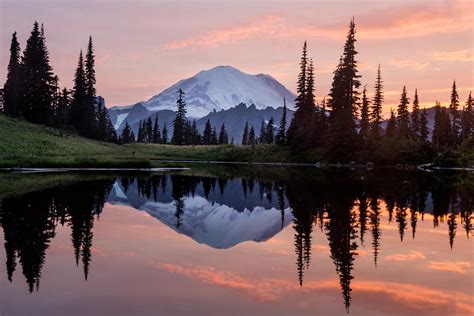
222 88
216 89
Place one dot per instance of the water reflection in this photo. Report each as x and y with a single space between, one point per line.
222 212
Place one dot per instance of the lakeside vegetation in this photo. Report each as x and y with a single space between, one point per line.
23 144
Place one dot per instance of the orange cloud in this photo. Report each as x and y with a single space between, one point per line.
392 22
413 255
397 298
451 266
461 55
408 63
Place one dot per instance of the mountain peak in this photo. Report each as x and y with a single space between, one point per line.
222 88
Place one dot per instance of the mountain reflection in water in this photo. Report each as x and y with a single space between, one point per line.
223 212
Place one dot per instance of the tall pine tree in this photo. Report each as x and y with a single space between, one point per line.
37 80
415 118
364 117
245 135
403 118
454 113
467 120
12 85
281 134
344 97
180 120
376 109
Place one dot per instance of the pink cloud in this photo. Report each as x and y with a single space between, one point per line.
397 297
451 266
413 255
460 55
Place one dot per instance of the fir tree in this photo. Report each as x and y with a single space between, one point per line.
251 140
245 136
343 101
262 139
300 125
467 119
391 129
281 134
364 117
89 65
180 120
149 130
37 89
164 135
270 134
196 137
214 139
12 85
78 117
415 118
63 108
376 113
403 119
454 113
207 135
424 133
126 136
156 138
223 137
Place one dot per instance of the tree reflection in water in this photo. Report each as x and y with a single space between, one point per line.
345 207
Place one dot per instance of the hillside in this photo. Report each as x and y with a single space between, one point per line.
23 144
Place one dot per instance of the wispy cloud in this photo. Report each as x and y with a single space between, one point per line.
409 63
460 55
396 296
392 22
451 266
413 255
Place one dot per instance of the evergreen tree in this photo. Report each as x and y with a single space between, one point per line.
126 136
415 118
223 137
78 114
262 139
403 119
467 120
156 137
343 101
37 89
300 125
364 117
63 108
12 85
164 135
196 137
391 129
149 130
269 133
424 133
443 137
454 114
214 137
376 113
90 110
180 120
207 135
245 136
281 134
251 140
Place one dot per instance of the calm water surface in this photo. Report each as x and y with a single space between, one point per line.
237 241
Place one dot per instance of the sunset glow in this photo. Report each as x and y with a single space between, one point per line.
144 46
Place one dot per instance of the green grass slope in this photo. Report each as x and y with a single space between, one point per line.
23 144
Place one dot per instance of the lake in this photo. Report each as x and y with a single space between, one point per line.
237 240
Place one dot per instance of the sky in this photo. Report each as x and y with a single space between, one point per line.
144 46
